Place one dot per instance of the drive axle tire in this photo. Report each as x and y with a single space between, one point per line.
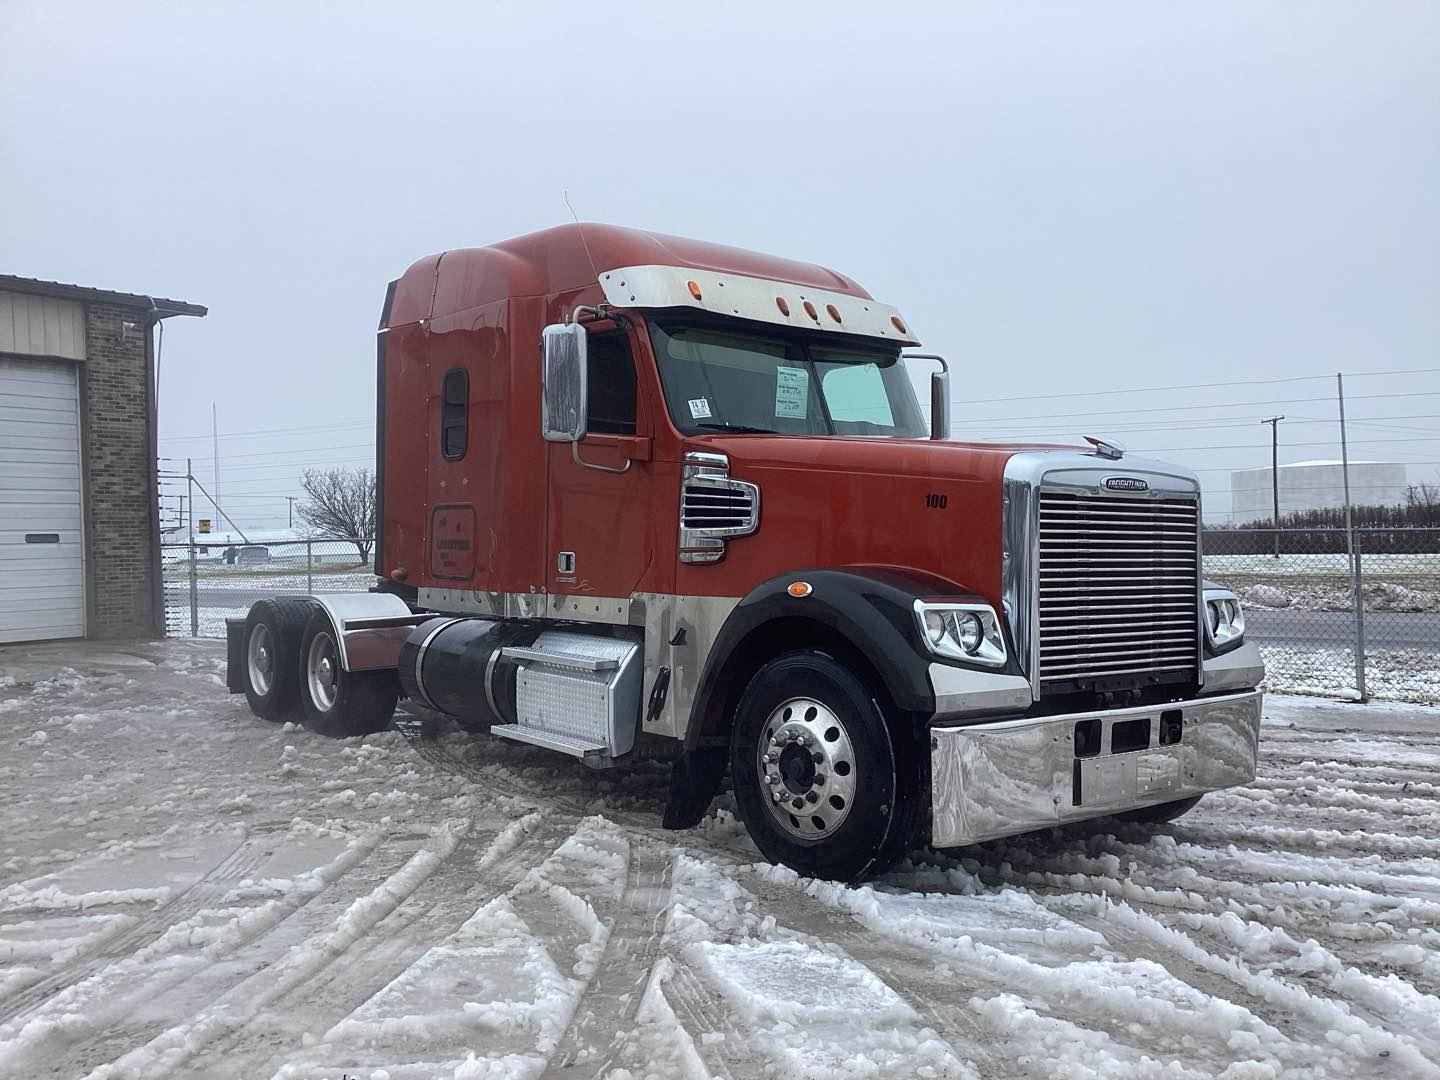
273 629
339 703
1160 812
820 781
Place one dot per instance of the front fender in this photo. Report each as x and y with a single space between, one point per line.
871 608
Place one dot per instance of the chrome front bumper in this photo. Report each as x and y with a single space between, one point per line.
990 780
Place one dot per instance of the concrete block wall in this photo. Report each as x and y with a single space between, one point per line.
119 504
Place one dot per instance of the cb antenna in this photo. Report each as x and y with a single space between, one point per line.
581 229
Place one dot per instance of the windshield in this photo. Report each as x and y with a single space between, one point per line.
721 380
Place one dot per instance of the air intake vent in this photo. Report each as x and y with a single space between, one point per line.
714 507
1119 588
708 506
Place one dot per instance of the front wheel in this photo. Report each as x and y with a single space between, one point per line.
820 782
341 703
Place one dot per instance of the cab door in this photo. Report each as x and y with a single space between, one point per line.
600 528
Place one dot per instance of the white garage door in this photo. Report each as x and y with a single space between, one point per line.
42 539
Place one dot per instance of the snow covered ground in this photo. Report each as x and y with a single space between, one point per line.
188 891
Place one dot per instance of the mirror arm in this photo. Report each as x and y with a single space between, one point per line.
599 314
575 457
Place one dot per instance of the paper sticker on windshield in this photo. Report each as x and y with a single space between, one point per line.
792 392
699 408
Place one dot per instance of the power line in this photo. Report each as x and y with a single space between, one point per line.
275 431
1214 405
1197 386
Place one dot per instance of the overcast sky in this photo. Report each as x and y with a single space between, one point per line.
1063 198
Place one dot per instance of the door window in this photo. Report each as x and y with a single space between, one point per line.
610 375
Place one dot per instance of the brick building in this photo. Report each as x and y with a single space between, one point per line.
79 524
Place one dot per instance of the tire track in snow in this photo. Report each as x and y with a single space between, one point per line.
718 1036
241 1003
1388 1001
962 982
481 868
606 1010
1383 1052
83 1013
245 857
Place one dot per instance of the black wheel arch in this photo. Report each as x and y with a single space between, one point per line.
864 616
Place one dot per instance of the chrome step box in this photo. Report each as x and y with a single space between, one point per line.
576 693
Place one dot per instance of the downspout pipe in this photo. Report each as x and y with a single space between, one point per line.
152 318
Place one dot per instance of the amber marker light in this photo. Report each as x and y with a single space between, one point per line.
799 589
834 311
399 574
895 321
783 305
694 289
810 310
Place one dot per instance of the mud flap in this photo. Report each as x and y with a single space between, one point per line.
235 655
695 779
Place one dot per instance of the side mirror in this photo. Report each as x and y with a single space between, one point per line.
940 405
939 394
563 393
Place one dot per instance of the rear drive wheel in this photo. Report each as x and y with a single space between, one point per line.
341 703
273 629
819 781
1160 812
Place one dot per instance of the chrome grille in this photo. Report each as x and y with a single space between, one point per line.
1118 586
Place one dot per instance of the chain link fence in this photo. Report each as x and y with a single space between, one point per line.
1297 585
205 584
1299 589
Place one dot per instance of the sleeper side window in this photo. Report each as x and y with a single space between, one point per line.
610 373
454 418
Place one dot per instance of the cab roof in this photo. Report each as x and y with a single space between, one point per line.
574 257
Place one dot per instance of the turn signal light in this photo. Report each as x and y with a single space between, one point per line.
799 589
694 289
399 574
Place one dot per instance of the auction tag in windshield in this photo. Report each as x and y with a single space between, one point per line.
699 408
792 392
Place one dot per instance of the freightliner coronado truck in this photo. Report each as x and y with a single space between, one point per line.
643 497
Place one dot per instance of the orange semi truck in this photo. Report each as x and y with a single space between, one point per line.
646 497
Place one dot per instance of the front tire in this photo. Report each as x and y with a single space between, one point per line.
339 703
273 629
820 781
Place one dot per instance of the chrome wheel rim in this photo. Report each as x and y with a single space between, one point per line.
260 659
322 671
806 766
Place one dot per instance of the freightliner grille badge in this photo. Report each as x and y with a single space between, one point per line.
1125 483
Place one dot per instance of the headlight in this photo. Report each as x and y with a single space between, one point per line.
1224 619
969 632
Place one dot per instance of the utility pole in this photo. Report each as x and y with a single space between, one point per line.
215 437
1274 423
291 499
1356 592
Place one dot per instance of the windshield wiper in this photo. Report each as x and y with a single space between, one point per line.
742 429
